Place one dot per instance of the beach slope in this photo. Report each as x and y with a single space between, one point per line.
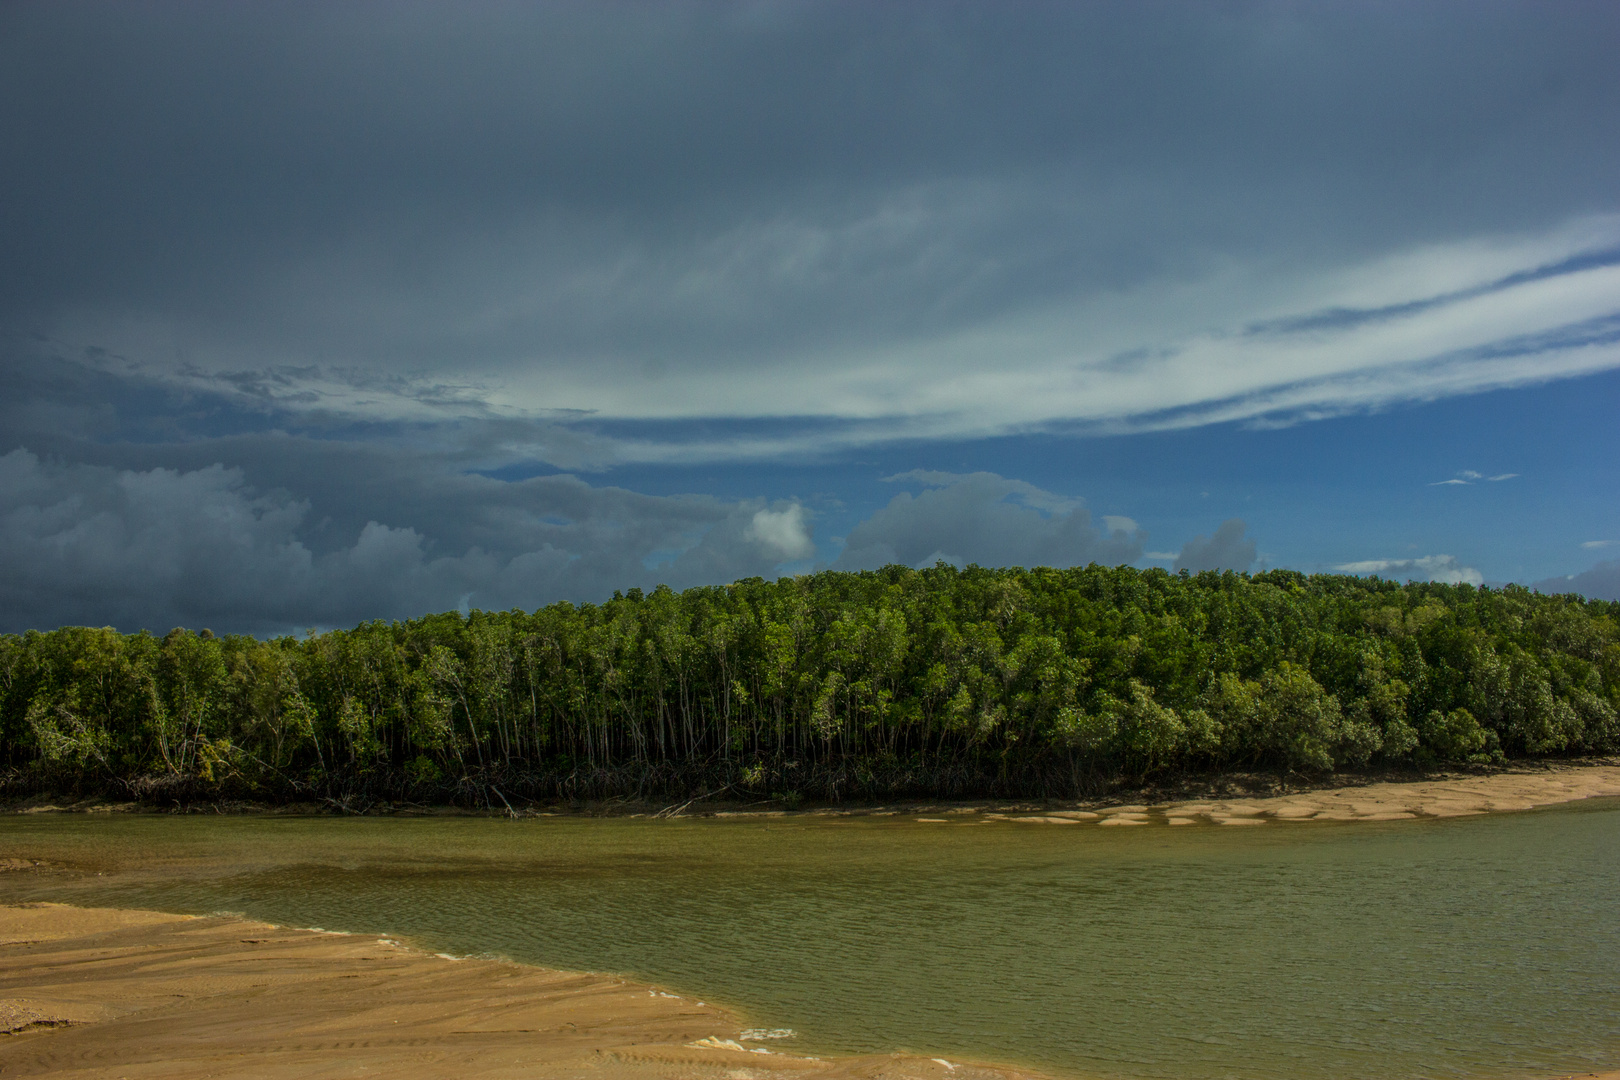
102 993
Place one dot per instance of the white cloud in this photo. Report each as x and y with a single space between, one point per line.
783 531
1117 523
1470 476
1599 543
1441 568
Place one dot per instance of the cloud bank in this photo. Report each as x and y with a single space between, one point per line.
162 547
882 222
166 547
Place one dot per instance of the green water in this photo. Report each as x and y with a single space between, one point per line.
1486 946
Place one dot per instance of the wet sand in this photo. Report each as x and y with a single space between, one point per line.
103 993
1453 796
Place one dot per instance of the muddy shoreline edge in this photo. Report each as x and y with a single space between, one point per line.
1338 796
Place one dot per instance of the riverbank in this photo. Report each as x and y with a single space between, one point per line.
1222 798
103 993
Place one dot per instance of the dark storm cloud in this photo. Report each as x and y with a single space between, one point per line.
128 502
160 547
424 188
269 529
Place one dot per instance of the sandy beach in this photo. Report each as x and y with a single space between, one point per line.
104 993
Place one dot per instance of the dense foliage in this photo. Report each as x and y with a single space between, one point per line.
896 682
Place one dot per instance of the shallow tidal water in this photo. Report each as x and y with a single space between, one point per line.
1473 947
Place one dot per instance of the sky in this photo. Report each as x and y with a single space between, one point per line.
316 313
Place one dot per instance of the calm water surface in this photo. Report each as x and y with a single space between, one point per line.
1486 946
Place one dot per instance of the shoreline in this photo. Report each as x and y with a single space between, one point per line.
1233 799
1443 796
108 992
122 994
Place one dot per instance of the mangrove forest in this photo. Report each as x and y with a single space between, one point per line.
888 684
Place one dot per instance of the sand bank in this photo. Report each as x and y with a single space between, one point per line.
1449 796
102 993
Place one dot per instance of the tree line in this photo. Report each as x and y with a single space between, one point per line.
932 683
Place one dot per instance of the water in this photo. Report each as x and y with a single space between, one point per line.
1486 946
